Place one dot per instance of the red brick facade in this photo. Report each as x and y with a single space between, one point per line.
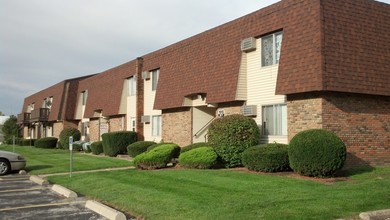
361 121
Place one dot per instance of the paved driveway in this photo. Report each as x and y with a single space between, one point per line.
21 198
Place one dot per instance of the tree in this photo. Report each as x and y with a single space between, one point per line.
10 128
1 113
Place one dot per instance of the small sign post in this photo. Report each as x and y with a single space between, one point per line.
71 155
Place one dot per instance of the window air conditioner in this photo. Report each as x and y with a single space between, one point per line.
145 119
145 75
248 44
249 110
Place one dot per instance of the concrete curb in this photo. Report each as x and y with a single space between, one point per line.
39 180
63 191
105 211
375 214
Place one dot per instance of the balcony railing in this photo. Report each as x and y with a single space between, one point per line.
39 115
23 118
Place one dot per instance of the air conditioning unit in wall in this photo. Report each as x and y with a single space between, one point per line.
145 75
248 44
249 110
145 119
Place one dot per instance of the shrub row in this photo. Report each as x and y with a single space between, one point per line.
48 142
115 143
139 147
267 158
157 157
97 147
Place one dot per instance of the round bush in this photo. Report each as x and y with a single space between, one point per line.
48 142
231 135
316 152
193 146
97 147
267 158
64 137
115 143
139 147
158 157
199 158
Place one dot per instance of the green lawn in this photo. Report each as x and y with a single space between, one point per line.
222 194
44 161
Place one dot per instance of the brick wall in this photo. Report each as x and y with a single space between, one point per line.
304 111
117 124
361 121
177 126
57 128
230 108
94 130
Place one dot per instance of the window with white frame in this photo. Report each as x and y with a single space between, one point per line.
133 124
274 119
156 125
271 46
47 102
85 96
155 74
132 86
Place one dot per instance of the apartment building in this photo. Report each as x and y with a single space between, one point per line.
292 66
47 112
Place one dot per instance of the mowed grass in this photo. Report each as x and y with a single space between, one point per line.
45 161
224 194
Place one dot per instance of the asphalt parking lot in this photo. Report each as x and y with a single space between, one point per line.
21 198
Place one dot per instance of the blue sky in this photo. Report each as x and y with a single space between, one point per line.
43 42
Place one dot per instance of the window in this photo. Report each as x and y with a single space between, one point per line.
156 125
85 96
84 129
271 46
132 86
275 119
155 75
47 102
133 125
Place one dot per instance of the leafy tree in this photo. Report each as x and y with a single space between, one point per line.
10 128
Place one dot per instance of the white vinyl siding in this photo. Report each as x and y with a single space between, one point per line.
84 97
261 85
149 97
133 124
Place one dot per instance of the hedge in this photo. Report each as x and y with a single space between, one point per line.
48 142
139 147
316 152
97 147
231 135
64 137
267 158
199 158
115 143
158 157
27 142
193 146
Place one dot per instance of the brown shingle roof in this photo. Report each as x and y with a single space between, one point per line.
105 89
62 108
209 62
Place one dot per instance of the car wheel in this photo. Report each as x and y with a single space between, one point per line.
4 167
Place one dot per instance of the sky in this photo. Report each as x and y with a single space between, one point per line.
43 42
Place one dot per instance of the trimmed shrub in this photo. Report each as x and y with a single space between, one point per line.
231 135
115 143
199 158
267 158
316 152
27 142
158 157
193 146
97 147
64 137
48 142
139 147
